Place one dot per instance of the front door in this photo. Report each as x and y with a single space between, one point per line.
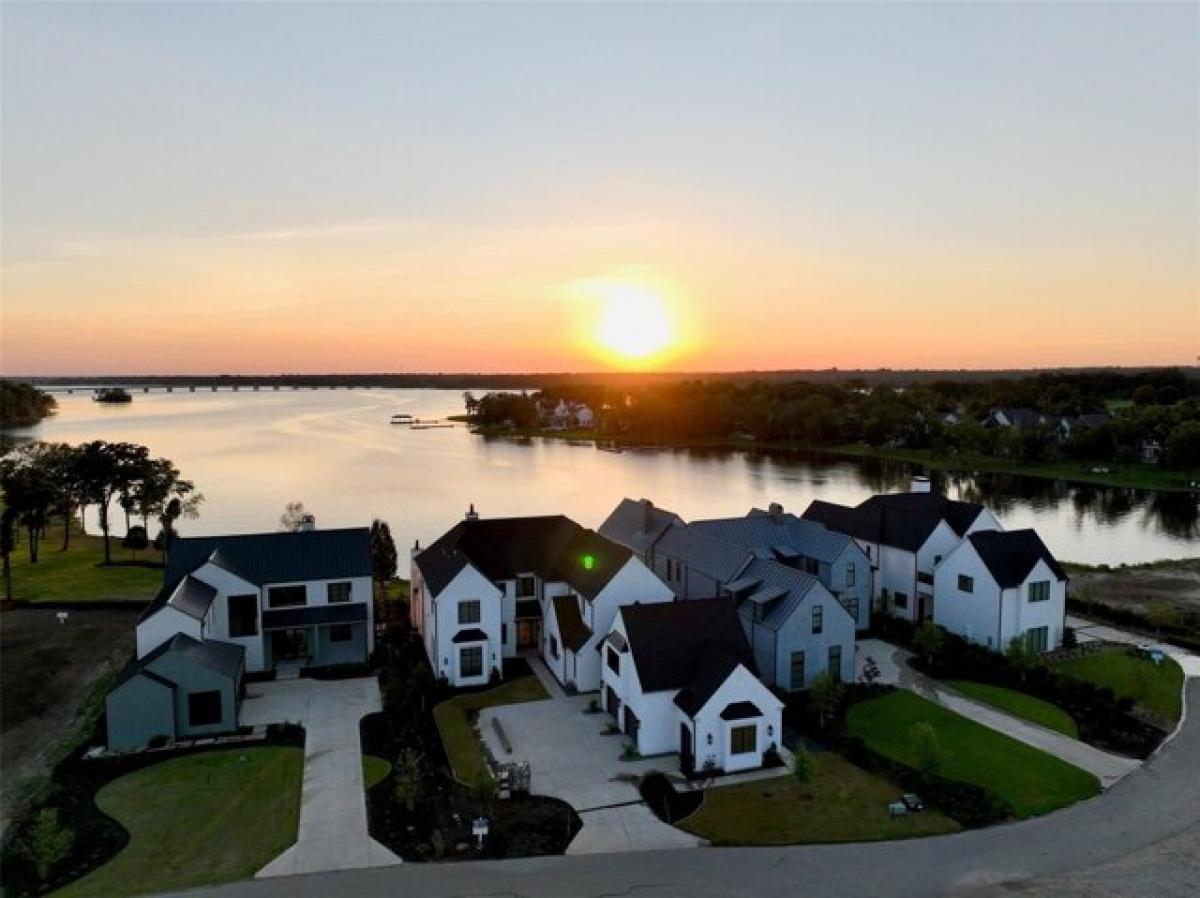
686 762
290 645
528 632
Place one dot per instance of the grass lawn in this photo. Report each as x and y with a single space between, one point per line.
841 803
79 572
1031 781
200 819
1157 688
454 721
375 771
1018 704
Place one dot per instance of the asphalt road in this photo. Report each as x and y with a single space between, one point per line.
1128 841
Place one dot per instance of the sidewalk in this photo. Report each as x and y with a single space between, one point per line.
1090 631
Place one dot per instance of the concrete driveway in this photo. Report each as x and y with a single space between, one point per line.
571 759
333 812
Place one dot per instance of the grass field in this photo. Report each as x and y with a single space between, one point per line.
375 771
1019 705
1157 688
454 723
197 820
79 573
1031 781
841 803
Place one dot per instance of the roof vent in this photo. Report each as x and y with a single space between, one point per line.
920 484
775 510
472 514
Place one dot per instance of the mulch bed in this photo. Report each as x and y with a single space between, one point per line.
667 804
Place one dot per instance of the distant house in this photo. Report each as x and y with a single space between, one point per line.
1072 424
1151 451
488 589
905 535
999 586
1019 418
680 677
638 525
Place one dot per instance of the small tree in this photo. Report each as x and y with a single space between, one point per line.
826 697
1020 656
8 542
410 776
47 842
1163 615
135 539
484 791
927 748
292 517
870 673
383 552
802 764
929 640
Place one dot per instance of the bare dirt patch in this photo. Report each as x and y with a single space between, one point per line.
48 672
1141 587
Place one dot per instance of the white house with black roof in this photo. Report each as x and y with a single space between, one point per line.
681 678
289 600
489 589
998 586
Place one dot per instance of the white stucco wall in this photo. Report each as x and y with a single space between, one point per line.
1021 615
442 624
161 626
741 686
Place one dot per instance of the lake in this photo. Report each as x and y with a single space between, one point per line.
335 451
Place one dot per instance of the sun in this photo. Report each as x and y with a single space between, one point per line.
634 323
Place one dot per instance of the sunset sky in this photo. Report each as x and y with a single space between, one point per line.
339 187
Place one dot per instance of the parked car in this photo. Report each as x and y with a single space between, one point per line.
912 801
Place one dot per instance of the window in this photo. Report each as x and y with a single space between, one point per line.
835 662
1037 639
470 661
526 587
286 596
937 559
504 633
850 574
341 633
469 612
797 670
743 740
204 708
1040 591
851 606
818 619
553 646
965 583
337 592
243 616
614 660
900 599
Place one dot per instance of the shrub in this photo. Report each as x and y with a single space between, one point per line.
46 842
802 763
927 748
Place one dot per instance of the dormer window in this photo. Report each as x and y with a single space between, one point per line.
526 586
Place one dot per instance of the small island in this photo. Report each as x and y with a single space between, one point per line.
112 394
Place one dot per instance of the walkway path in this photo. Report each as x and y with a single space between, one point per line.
542 672
1090 631
333 812
894 668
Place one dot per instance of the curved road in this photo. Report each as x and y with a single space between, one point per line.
1140 830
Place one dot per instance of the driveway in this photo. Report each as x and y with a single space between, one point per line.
333 812
571 759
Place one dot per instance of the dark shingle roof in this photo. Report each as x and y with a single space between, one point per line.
472 635
313 615
553 547
637 524
193 597
740 711
876 523
959 515
225 658
575 633
1011 555
691 646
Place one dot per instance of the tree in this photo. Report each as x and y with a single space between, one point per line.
47 842
383 552
802 764
825 695
926 748
29 491
471 403
106 471
870 673
1183 446
135 539
484 791
293 517
928 640
8 542
409 777
1020 656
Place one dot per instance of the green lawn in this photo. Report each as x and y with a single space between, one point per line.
79 572
454 720
1031 781
375 771
1157 688
197 820
841 803
1018 704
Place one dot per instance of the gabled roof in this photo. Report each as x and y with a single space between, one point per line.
574 632
770 535
706 554
554 547
264 558
1020 417
906 530
193 597
225 658
959 515
781 591
689 646
1011 555
637 524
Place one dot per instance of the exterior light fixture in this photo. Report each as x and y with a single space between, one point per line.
710 738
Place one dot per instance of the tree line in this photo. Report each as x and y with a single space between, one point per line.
43 481
23 405
1160 407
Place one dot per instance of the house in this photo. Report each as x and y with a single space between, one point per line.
998 586
905 536
1071 424
290 600
183 688
638 525
488 589
1013 417
680 678
1151 451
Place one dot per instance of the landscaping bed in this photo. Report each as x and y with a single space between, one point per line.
668 804
457 718
96 837
1155 688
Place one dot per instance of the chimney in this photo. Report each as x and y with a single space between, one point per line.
920 484
647 513
416 549
775 510
472 514
307 522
